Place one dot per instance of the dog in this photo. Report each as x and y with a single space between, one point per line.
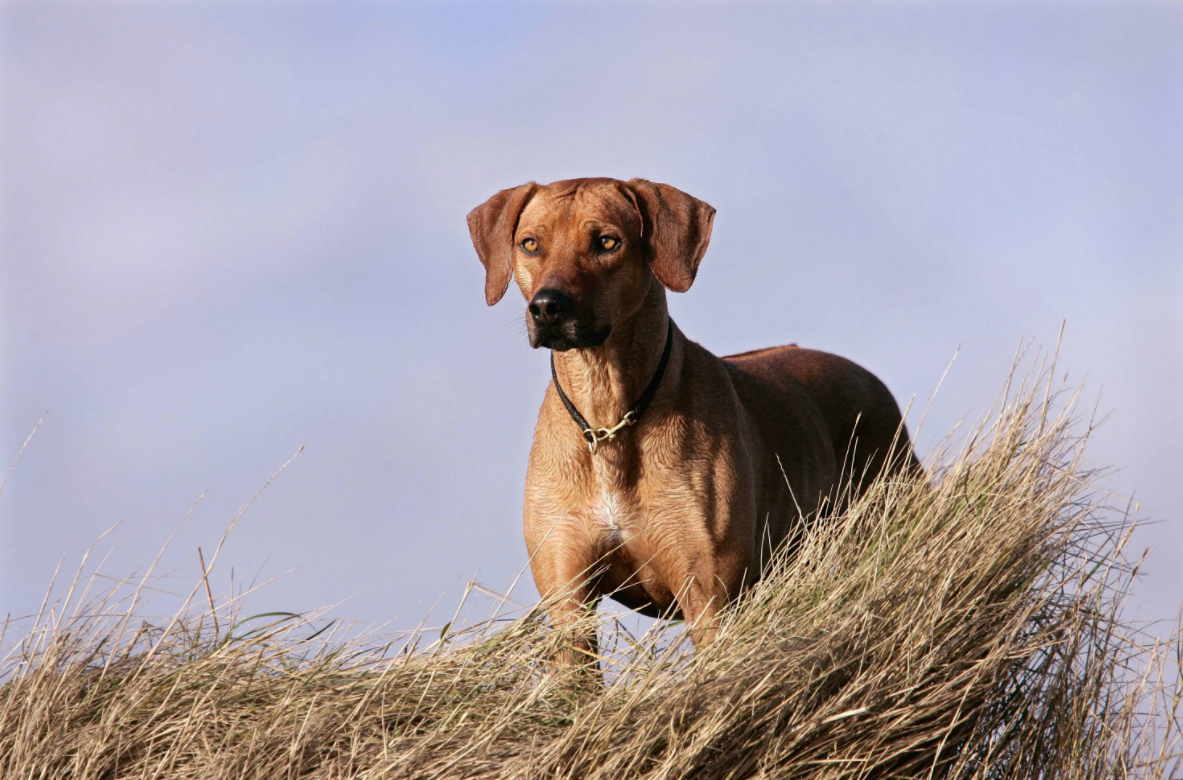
661 475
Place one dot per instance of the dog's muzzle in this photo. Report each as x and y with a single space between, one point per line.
552 323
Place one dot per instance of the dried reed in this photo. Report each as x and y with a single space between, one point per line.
964 626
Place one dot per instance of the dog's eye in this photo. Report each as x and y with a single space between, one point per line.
609 243
530 245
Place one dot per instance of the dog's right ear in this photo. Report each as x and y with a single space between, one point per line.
492 226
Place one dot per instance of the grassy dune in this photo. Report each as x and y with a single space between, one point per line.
967 627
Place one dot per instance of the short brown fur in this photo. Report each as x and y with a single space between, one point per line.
734 456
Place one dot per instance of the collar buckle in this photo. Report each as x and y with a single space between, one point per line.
596 435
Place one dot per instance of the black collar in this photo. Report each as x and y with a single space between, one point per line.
596 435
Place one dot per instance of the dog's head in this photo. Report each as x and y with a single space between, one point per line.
586 251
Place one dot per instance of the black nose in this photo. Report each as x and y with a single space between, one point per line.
551 306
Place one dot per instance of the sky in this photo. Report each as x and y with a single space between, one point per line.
232 230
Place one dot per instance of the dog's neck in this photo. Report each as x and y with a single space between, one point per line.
605 381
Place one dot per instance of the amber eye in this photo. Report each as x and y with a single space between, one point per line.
609 243
530 245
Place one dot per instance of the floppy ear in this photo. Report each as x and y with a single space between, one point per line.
492 225
676 230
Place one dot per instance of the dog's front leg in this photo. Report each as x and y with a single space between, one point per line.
700 604
708 582
581 650
565 574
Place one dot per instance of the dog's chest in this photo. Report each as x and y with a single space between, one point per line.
611 511
622 497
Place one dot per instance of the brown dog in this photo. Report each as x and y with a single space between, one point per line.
661 475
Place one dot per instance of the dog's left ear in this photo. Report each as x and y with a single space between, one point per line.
492 226
676 229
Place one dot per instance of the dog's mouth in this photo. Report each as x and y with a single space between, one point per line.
568 335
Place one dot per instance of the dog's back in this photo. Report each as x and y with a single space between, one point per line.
860 413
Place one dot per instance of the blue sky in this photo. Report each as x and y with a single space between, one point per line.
231 230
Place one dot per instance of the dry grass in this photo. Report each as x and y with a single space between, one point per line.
969 627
